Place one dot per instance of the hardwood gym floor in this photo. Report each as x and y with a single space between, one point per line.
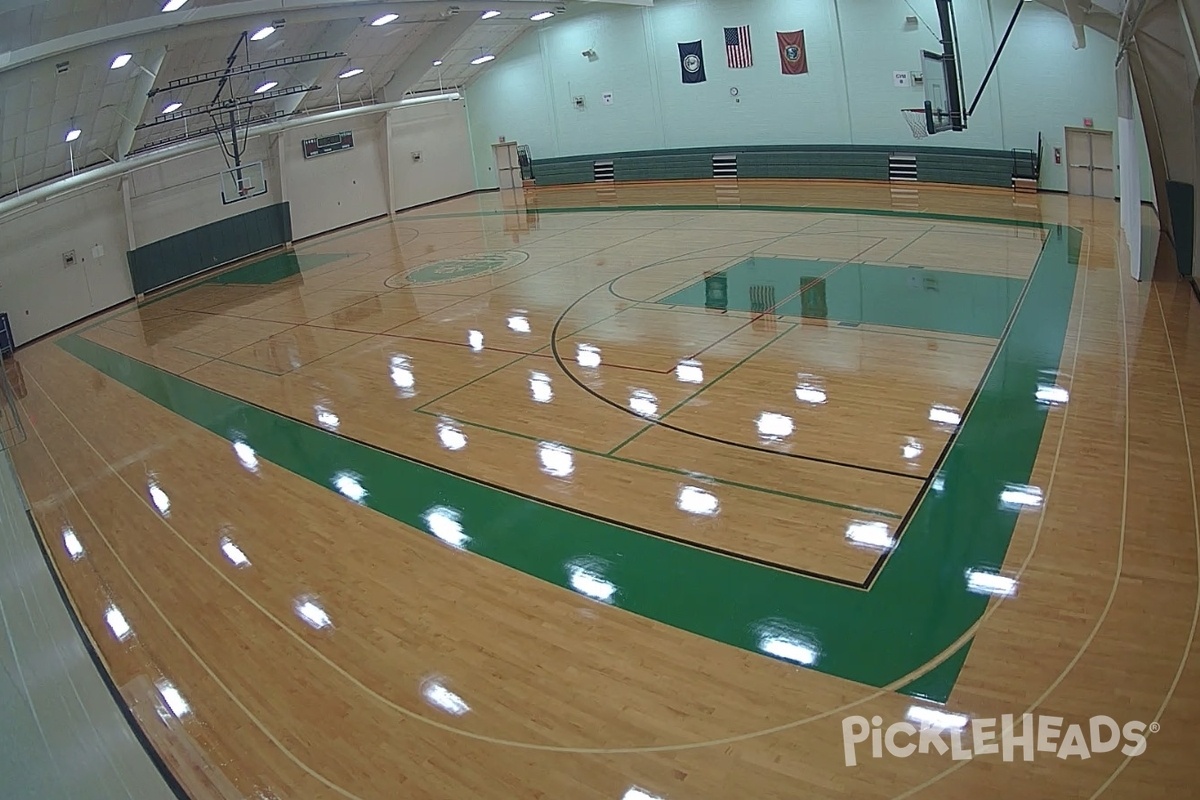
638 493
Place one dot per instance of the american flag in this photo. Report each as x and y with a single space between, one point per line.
737 47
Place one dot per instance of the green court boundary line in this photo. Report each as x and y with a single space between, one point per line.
834 324
948 445
555 340
335 235
861 636
204 279
926 480
878 212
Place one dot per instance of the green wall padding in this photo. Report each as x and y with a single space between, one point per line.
183 255
852 162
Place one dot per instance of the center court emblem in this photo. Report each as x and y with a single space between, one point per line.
457 269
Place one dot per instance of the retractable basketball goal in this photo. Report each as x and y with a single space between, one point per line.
919 120
941 77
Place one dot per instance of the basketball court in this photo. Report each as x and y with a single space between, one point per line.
860 470
578 500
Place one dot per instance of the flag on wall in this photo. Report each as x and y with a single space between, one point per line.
691 61
792 58
737 47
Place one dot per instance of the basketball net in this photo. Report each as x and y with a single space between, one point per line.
915 117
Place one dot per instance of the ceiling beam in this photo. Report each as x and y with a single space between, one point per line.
433 47
195 23
1077 14
1093 16
147 73
336 34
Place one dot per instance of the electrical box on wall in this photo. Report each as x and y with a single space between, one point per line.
607 98
69 259
578 101
416 155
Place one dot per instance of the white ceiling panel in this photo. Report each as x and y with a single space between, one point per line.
491 36
39 103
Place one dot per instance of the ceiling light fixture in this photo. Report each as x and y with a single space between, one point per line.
266 87
171 108
120 61
482 59
437 63
262 33
173 5
73 134
385 19
350 73
541 15
489 14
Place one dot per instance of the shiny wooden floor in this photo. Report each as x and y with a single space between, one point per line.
635 494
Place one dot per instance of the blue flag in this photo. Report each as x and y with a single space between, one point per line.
691 61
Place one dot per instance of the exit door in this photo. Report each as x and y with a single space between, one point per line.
1090 167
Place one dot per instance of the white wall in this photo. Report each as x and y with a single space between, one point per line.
36 290
438 131
336 189
184 192
853 47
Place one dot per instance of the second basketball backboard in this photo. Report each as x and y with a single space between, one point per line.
941 79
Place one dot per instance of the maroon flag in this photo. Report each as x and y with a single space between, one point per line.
792 59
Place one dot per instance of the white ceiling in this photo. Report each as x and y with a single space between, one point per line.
41 99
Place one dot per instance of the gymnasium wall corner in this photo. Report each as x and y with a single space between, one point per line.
1042 83
180 193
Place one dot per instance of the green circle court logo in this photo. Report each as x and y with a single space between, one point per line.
458 269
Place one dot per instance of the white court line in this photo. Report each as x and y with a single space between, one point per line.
968 634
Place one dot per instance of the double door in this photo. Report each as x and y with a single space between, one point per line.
1090 167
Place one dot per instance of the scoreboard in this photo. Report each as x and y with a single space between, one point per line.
327 144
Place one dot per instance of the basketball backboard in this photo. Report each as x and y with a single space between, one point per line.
942 103
242 183
944 107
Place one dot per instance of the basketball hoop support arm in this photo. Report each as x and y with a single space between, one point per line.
996 58
958 120
237 154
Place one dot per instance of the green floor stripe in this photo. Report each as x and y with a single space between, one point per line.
930 685
919 604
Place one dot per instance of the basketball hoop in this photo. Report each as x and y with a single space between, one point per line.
918 121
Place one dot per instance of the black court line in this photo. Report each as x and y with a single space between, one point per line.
937 466
668 426
489 484
728 553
